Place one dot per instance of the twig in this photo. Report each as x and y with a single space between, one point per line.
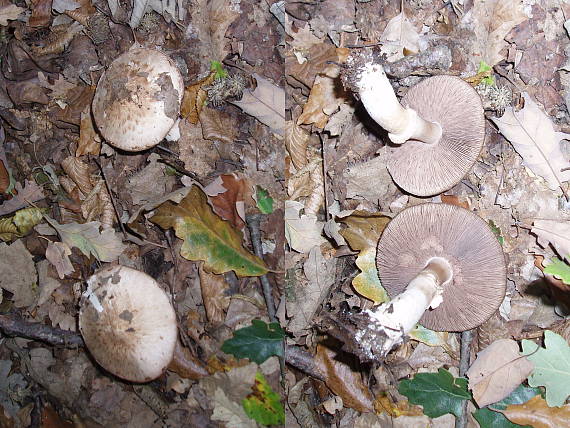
12 326
253 222
121 225
303 361
179 169
466 339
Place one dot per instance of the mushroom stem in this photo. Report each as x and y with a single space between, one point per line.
399 316
379 99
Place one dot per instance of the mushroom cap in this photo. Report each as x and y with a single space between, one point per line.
138 99
428 169
421 232
128 323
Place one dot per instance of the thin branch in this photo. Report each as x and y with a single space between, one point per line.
466 339
12 326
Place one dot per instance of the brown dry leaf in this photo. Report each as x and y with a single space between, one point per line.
186 365
18 273
58 88
554 232
344 381
79 172
194 99
10 12
385 404
41 13
76 101
218 126
50 419
296 142
31 192
303 70
89 140
4 177
536 413
216 302
491 20
497 372
228 194
151 182
59 39
211 20
266 103
455 200
400 36
197 153
58 255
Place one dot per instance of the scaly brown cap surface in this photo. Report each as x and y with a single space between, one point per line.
428 169
128 323
462 238
138 99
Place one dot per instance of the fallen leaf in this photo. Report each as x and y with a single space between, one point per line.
498 370
263 404
362 234
89 141
263 201
438 393
306 297
491 20
257 342
8 230
195 98
218 126
229 204
186 365
559 269
210 21
532 135
551 367
432 338
343 380
303 232
25 219
400 33
18 273
230 412
266 103
31 192
10 12
41 13
206 236
554 232
151 182
58 255
488 418
536 413
105 246
215 300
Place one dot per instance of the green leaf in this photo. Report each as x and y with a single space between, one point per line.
485 68
257 342
432 338
27 218
439 393
264 405
206 236
264 201
497 231
218 68
489 419
559 269
551 367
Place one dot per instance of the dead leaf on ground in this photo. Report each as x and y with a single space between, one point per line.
195 98
31 192
58 255
230 202
89 140
556 233
498 370
401 36
536 413
18 273
216 302
303 232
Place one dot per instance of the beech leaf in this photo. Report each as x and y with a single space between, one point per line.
551 367
438 393
497 371
554 232
206 236
538 414
532 135
266 103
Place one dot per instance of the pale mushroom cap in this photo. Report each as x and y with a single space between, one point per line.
462 238
429 169
128 323
138 99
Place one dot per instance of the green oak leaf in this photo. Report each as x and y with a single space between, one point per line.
206 236
489 419
264 201
263 404
551 367
559 269
438 393
257 342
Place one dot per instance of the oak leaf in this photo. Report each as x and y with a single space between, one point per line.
554 232
536 413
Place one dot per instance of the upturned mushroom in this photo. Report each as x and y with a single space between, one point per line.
129 325
445 268
137 100
438 130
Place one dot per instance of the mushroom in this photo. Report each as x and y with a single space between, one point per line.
128 323
445 267
138 99
438 131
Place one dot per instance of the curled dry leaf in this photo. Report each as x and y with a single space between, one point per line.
195 98
343 380
303 232
41 13
216 302
217 126
58 255
296 142
554 232
536 413
401 37
498 370
89 140
31 192
187 365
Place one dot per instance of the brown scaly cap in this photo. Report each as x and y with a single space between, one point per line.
423 169
438 230
138 99
128 323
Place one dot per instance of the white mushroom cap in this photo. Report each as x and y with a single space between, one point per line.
138 99
128 323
